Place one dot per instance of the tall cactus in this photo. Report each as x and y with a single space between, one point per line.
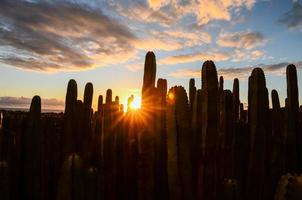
197 143
278 142
149 79
32 153
179 145
160 144
69 118
192 93
146 166
258 115
236 101
87 112
221 84
209 129
293 150
100 103
226 134
109 152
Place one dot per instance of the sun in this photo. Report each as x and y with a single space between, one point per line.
136 103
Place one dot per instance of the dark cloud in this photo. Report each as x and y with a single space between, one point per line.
24 102
49 36
293 18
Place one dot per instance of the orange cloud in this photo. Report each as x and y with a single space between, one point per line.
156 4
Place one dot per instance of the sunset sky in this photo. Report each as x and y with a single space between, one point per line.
43 44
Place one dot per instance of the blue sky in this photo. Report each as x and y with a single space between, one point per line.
43 44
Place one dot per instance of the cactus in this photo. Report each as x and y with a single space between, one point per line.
149 110
258 115
86 136
278 142
4 180
236 101
71 182
231 189
289 188
226 134
293 150
221 83
71 96
192 94
98 131
160 143
32 153
149 79
197 142
179 145
100 103
108 96
69 118
129 102
209 129
92 182
109 152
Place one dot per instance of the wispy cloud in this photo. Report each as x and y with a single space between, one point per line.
60 36
245 40
293 18
240 72
24 102
234 55
186 58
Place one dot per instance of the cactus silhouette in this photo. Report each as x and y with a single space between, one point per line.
293 150
209 129
203 143
258 108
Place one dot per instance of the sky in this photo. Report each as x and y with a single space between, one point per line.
44 43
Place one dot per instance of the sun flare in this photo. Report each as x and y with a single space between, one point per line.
136 103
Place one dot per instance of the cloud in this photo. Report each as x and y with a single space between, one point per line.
217 56
167 12
172 40
293 18
140 11
155 4
156 44
58 36
135 67
241 40
218 10
24 103
278 69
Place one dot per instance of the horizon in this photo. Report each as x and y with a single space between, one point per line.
103 43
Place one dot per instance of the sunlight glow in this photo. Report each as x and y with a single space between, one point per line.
171 96
136 104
